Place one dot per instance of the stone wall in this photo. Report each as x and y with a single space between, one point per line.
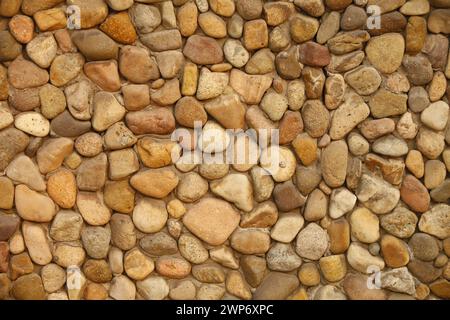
95 203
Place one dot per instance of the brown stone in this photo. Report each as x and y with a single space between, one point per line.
62 188
355 286
104 73
314 55
212 220
28 287
256 35
203 50
339 233
415 194
156 183
154 121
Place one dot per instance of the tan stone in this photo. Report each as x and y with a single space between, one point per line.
212 220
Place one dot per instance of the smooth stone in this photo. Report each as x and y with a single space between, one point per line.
24 74
104 74
361 260
276 286
92 208
418 69
65 68
23 170
37 243
385 52
52 154
149 215
33 206
155 183
218 215
95 45
136 65
154 121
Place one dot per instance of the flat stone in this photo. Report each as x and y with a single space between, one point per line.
334 163
227 109
159 244
52 153
29 287
219 217
398 280
162 40
153 121
282 257
24 74
211 84
8 225
92 208
256 35
385 104
137 265
287 197
51 19
42 50
365 225
355 286
435 221
103 73
303 28
312 242
250 87
37 243
269 291
418 69
95 45
23 170
155 183
390 146
384 59
10 48
33 206
130 58
416 31
438 21
145 18
65 68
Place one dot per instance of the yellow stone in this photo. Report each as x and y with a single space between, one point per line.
190 79
299 294
51 19
414 163
306 148
309 275
256 35
334 268
155 154
120 28
212 25
176 208
73 161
